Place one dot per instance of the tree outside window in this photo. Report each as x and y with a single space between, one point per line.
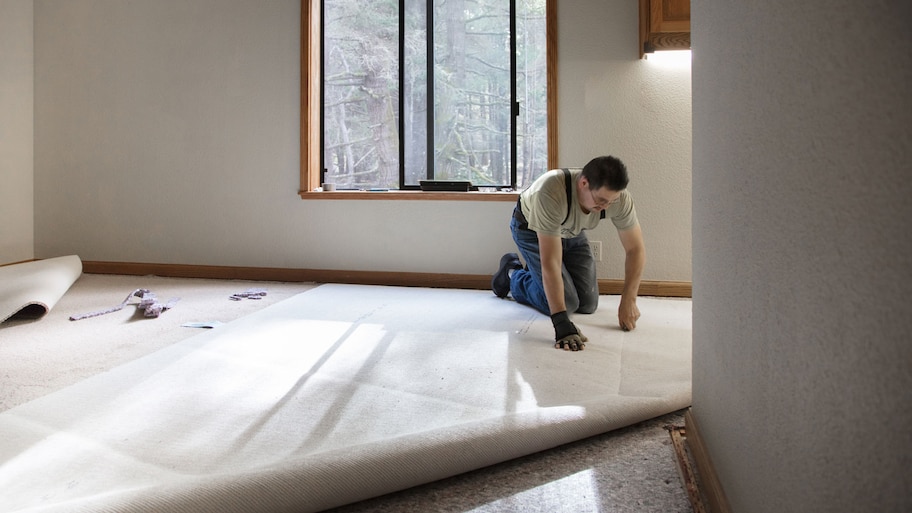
488 124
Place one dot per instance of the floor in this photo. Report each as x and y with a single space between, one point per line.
633 469
628 470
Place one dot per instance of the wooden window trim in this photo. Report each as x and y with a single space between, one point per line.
310 118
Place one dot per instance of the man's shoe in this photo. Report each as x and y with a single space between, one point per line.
500 283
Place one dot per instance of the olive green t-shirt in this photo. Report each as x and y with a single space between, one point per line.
544 204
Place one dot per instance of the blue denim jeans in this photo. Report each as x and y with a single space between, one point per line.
578 271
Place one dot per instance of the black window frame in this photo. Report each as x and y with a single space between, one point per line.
514 103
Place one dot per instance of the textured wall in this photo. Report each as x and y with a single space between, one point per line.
802 134
16 137
612 102
167 131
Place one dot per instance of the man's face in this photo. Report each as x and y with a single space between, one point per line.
596 200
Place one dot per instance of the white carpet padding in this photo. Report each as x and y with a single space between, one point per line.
338 394
32 288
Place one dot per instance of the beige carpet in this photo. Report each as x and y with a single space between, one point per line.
337 394
40 355
31 289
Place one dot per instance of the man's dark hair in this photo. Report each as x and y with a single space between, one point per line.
606 171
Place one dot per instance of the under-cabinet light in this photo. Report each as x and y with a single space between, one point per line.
670 57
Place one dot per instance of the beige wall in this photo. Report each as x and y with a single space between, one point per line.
802 201
168 132
16 138
610 101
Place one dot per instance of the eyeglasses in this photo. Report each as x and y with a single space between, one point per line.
602 202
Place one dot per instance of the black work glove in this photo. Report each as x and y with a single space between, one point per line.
566 334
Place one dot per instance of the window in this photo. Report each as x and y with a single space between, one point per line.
365 118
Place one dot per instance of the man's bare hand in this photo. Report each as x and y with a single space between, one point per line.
628 313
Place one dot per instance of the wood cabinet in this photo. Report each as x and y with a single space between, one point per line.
664 25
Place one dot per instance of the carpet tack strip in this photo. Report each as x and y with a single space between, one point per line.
688 476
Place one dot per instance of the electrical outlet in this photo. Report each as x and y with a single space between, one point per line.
596 246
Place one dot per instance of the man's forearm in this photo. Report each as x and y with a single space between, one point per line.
550 248
633 270
553 283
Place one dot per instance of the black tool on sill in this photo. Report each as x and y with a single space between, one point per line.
445 185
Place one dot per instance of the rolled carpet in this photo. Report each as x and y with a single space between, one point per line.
31 289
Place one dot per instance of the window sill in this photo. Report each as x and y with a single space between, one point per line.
409 195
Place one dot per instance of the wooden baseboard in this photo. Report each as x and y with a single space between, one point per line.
710 485
404 279
19 262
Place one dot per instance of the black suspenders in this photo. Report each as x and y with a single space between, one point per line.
569 194
517 212
567 184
